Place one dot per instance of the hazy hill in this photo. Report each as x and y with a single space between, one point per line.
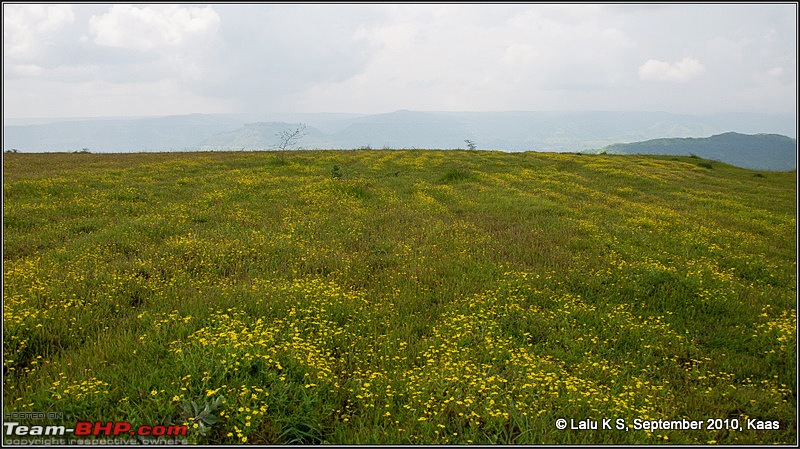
260 135
759 151
506 131
171 133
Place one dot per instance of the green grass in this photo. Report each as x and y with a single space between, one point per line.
405 297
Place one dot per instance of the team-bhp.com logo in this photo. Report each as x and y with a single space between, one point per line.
88 428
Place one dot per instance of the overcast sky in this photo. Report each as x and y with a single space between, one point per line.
84 60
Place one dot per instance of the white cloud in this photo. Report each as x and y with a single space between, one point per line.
28 30
477 57
771 35
775 72
158 43
520 54
23 70
722 49
378 57
159 27
679 72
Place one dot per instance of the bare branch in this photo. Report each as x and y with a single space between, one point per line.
289 137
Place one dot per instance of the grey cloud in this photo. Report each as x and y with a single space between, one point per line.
270 51
372 58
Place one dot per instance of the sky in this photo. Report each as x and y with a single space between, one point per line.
95 60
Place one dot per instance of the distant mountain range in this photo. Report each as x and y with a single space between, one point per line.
506 131
759 151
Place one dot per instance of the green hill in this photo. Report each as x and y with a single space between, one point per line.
757 151
400 297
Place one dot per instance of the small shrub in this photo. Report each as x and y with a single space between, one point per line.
201 414
198 416
336 173
455 175
705 164
279 161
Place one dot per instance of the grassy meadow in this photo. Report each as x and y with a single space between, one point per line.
402 297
